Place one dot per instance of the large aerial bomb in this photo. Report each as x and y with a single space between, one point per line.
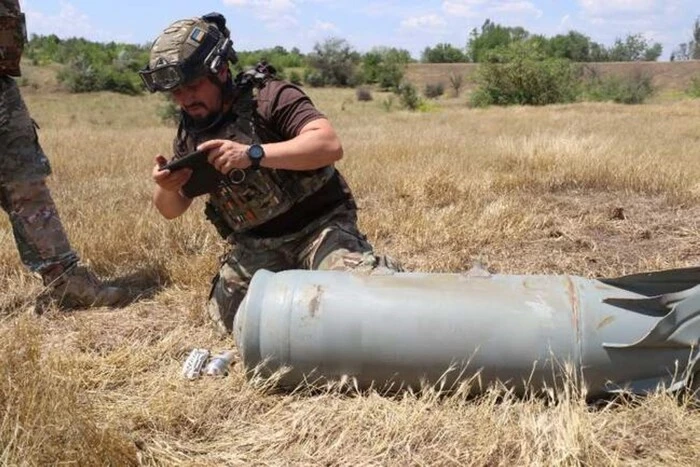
527 332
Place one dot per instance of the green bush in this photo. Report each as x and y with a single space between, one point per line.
480 98
434 90
314 78
694 89
408 96
335 61
519 75
634 89
389 76
295 77
278 56
81 76
91 66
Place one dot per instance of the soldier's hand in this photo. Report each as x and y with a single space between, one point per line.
226 155
167 180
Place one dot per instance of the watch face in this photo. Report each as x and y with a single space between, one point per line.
256 151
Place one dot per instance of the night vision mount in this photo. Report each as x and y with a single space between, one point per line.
223 52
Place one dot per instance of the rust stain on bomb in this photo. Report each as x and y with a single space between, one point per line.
315 302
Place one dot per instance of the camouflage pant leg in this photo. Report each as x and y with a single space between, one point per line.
332 242
21 156
340 246
38 231
230 285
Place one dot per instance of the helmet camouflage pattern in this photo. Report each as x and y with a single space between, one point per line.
186 50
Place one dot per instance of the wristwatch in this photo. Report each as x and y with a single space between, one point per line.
255 153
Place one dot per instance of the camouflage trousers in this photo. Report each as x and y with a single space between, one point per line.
37 228
41 240
21 156
330 243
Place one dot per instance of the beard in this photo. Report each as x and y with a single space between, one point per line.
199 122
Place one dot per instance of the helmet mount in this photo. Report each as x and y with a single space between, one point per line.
187 50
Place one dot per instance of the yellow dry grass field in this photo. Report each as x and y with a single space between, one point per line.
584 189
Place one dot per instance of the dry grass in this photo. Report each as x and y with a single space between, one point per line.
523 190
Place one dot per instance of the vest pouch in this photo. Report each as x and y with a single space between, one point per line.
253 201
13 35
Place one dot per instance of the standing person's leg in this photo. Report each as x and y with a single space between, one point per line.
39 234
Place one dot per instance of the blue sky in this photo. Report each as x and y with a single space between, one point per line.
411 25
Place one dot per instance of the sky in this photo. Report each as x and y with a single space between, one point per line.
410 24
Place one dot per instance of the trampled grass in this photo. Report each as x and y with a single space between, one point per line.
586 189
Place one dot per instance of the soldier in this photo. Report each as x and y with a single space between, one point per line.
41 241
278 200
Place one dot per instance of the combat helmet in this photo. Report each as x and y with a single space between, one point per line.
187 50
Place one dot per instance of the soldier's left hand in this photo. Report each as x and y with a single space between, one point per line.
226 155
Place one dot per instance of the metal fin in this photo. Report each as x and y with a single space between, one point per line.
658 282
680 327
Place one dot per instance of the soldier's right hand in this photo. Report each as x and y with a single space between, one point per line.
167 180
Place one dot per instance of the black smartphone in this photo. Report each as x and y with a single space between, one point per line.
205 178
193 160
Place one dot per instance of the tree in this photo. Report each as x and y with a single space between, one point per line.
385 66
490 37
521 74
574 46
696 40
277 56
335 61
443 53
634 48
652 54
689 50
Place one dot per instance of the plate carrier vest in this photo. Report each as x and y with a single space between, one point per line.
249 198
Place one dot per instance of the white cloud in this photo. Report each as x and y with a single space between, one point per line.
466 8
425 22
482 8
276 14
604 7
325 26
68 22
517 7
265 7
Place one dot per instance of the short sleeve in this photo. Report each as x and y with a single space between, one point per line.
286 108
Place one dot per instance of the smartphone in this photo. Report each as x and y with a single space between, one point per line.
205 178
193 160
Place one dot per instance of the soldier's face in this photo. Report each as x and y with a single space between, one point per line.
199 98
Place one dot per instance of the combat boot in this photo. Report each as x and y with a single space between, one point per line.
78 287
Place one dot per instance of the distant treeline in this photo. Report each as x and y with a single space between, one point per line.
93 66
493 39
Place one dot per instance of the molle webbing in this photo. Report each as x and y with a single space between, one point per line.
256 196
